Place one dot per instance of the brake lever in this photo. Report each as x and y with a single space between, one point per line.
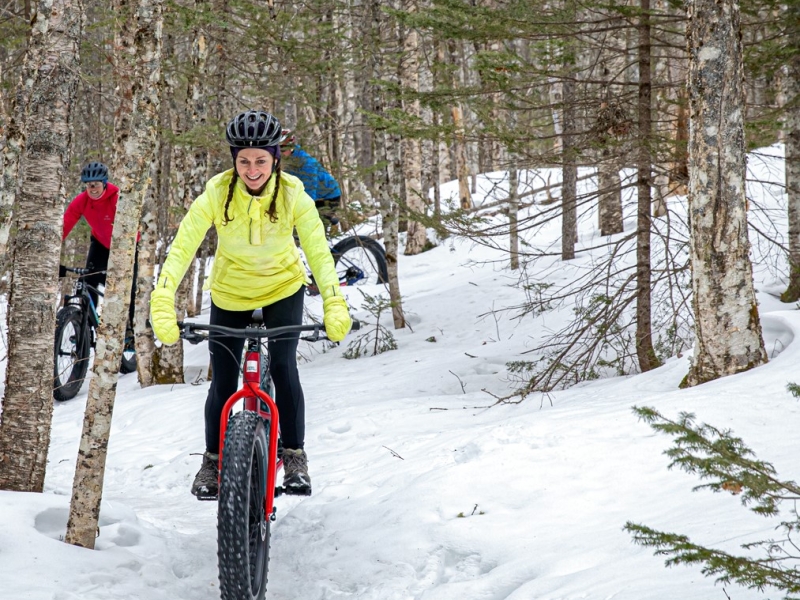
193 337
313 337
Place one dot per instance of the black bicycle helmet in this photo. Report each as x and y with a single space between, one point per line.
253 129
94 171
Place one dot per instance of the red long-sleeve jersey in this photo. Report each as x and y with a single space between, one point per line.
98 213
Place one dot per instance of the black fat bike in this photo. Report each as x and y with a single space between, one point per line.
358 259
76 335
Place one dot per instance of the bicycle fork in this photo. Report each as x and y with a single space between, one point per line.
256 400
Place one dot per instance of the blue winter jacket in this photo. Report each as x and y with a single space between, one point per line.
318 183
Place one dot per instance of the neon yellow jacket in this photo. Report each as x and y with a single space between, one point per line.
257 262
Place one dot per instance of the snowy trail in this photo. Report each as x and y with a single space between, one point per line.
420 491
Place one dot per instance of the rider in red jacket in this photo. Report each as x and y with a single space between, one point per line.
98 205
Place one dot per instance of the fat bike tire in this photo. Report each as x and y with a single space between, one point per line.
363 252
243 527
70 353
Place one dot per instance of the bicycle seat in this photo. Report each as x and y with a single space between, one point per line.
258 317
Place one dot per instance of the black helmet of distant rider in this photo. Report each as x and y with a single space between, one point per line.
254 129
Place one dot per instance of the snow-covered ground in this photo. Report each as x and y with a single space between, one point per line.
421 490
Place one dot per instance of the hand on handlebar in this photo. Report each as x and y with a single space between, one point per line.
336 318
163 317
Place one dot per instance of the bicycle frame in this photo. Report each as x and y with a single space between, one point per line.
82 298
251 393
253 397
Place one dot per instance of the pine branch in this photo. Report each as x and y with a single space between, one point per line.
727 568
724 459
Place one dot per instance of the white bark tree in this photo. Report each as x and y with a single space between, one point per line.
139 68
412 148
51 78
727 327
385 153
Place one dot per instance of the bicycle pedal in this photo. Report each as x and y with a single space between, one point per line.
296 492
279 491
207 498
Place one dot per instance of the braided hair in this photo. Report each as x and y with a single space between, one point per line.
272 211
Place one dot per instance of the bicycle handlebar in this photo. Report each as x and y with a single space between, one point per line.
194 333
62 271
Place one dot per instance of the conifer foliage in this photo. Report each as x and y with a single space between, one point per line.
727 464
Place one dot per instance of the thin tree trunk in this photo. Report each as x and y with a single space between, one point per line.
513 216
417 238
464 194
145 340
139 66
569 177
167 366
459 143
612 129
609 197
644 335
51 71
792 137
727 327
197 116
384 153
13 144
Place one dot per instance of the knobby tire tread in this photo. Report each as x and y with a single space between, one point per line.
67 385
239 570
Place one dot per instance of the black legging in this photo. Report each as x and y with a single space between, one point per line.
226 356
97 260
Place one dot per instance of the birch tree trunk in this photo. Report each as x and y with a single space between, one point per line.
513 215
555 93
196 166
417 237
671 123
569 174
384 151
459 143
644 334
9 161
52 67
167 366
727 327
139 67
145 281
11 133
412 150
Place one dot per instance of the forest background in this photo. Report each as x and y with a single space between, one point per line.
395 98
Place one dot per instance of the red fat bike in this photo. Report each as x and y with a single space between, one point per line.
249 460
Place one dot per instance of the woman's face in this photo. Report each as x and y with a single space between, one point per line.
94 189
254 166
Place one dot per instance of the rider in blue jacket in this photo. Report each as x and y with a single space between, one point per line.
318 183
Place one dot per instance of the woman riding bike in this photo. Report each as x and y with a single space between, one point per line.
97 203
254 207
